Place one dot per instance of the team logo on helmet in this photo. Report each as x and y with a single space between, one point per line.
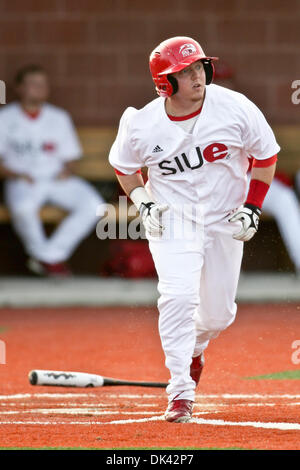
187 49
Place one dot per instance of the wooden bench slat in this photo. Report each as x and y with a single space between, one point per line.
97 141
50 214
288 137
94 170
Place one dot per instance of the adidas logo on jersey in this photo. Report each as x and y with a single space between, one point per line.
157 149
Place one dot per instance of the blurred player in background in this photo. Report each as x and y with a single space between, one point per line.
38 145
281 194
195 140
282 203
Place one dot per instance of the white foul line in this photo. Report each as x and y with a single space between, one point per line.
89 412
146 405
219 422
251 396
46 395
135 396
213 422
77 411
255 424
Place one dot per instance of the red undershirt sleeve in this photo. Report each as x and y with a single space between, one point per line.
124 174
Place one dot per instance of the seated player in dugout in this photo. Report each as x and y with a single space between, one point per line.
281 193
195 139
38 145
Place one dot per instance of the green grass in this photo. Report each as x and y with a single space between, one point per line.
285 375
3 329
124 448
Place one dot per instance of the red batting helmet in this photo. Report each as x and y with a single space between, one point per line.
173 55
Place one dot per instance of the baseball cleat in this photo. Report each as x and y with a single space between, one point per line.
196 368
47 269
179 411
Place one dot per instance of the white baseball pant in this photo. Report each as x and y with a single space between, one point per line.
197 284
73 194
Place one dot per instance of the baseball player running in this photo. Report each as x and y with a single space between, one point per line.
195 140
38 144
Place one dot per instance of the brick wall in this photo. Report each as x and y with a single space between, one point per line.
96 51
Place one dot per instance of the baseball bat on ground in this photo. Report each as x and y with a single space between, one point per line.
82 379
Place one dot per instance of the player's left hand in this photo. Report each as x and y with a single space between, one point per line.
249 217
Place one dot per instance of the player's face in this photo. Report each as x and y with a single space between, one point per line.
191 81
34 88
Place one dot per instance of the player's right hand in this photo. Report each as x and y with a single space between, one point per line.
151 216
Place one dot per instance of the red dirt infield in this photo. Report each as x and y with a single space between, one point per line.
230 411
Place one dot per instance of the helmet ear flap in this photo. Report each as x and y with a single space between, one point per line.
209 73
174 83
209 70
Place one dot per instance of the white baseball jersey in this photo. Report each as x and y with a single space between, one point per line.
37 146
207 167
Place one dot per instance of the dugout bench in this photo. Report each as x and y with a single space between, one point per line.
266 252
94 166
